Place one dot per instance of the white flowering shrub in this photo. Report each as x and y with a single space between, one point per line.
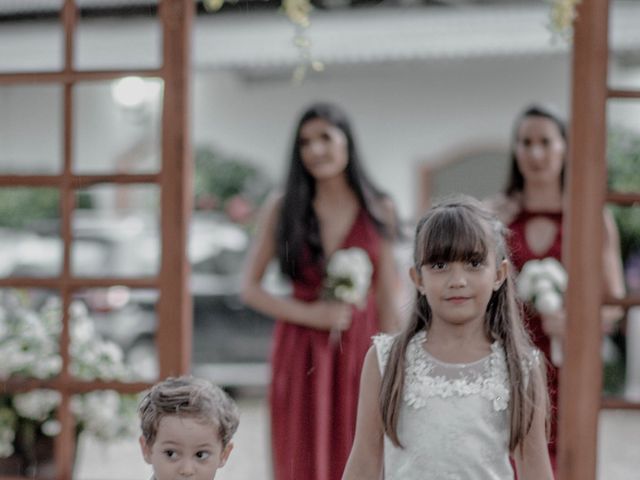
29 348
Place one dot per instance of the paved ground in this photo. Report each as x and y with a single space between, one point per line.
618 456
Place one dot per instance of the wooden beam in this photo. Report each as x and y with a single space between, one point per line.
64 446
77 181
581 374
617 93
627 199
72 385
73 76
613 403
175 307
78 283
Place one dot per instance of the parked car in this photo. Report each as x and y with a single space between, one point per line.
231 341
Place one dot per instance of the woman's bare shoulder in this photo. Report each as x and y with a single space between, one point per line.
274 202
505 207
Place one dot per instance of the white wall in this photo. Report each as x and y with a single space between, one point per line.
403 113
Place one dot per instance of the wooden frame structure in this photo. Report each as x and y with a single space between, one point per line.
581 375
174 308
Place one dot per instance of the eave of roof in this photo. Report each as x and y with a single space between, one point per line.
263 41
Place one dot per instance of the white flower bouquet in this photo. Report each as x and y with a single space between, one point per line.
347 279
543 283
348 276
29 348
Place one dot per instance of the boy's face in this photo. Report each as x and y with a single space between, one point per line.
185 448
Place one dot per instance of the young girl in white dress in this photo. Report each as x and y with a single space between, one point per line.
461 389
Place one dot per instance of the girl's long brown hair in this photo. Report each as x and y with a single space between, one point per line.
461 229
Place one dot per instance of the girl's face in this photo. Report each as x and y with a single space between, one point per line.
323 149
458 292
540 150
185 448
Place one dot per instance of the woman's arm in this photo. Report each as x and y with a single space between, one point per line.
365 461
532 457
321 315
505 208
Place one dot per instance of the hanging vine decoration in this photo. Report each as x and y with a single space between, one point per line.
561 17
298 12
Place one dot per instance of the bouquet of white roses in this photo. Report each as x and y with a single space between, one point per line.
347 279
543 283
29 348
348 276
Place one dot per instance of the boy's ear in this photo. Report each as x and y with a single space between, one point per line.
224 455
501 274
145 448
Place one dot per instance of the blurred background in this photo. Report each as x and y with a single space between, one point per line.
432 87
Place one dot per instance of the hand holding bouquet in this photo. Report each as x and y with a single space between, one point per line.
543 283
348 278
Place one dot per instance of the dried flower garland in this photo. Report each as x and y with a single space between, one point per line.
298 12
561 17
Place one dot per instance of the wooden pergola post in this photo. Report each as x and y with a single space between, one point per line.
581 375
175 304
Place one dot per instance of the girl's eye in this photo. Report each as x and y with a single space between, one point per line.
438 266
546 142
203 455
476 263
526 142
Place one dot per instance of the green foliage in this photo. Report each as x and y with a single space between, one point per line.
221 177
623 151
21 207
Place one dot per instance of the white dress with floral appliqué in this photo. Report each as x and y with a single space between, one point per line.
454 418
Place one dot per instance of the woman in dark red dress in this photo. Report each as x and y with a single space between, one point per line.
532 207
329 204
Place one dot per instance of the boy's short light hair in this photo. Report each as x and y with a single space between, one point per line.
192 397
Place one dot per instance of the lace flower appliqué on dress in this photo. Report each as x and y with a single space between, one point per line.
426 377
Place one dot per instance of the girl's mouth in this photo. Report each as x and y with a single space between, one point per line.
457 300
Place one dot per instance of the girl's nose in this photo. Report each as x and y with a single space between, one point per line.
458 278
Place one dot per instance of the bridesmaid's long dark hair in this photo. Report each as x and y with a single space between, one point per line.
515 181
298 224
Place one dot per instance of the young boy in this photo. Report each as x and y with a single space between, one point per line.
187 425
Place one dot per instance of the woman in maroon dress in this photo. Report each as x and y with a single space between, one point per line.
532 207
328 204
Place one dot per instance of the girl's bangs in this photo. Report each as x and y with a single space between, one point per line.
454 236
